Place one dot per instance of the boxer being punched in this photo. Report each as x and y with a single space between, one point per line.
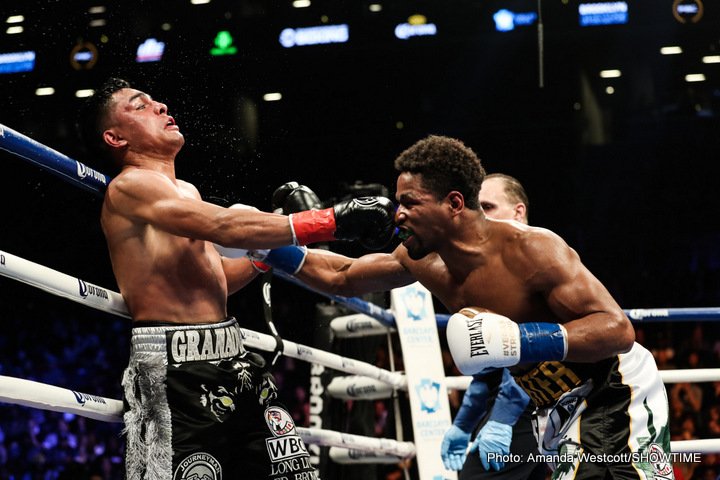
198 404
570 345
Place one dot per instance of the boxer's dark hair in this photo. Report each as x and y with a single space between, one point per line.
92 121
445 164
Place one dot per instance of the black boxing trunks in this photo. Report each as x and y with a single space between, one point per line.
198 406
604 420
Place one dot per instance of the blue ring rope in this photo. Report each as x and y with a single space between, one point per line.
80 175
66 168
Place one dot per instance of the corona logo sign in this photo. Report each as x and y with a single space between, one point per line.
84 55
688 11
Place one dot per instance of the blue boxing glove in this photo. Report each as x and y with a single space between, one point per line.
492 441
480 339
288 259
453 448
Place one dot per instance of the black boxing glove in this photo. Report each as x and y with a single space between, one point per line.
292 197
370 220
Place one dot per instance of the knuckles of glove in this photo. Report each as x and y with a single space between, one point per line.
369 220
292 197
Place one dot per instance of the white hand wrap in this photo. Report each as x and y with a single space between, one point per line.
230 252
234 252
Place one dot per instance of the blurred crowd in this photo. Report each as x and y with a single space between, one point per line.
81 354
694 406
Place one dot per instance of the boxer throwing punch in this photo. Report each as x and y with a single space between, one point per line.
495 401
571 347
198 404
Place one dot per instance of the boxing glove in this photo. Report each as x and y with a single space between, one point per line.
292 197
370 220
481 339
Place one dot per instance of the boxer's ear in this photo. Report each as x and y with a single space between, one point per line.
456 202
113 139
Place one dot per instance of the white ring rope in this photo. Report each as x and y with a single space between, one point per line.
57 399
48 397
62 285
358 325
14 390
266 343
100 298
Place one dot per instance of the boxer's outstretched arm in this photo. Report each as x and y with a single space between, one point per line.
148 197
340 275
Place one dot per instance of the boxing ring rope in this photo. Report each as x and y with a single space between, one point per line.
38 395
100 298
80 175
55 398
106 300
645 315
48 397
53 161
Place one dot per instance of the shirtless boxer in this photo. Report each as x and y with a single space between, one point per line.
198 405
574 354
498 404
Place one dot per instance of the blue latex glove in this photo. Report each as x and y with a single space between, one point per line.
474 405
493 437
453 448
510 402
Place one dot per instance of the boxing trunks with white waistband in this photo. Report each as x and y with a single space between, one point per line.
199 406
601 420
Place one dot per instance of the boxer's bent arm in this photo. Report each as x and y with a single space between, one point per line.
340 275
238 273
596 326
148 197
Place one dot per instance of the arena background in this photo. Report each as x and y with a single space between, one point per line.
624 168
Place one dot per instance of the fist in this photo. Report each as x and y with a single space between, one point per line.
292 197
479 339
369 220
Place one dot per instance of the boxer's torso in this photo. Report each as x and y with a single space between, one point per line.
164 277
494 279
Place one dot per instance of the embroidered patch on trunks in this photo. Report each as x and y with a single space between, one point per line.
286 444
547 382
198 466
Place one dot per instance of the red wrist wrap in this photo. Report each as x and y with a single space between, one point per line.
312 226
260 266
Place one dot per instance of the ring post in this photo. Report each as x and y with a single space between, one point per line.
429 404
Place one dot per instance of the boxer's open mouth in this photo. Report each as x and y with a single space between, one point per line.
404 233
